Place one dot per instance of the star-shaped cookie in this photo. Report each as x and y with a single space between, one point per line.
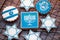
48 23
32 36
27 4
12 32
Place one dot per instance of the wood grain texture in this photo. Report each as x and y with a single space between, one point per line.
54 13
1 3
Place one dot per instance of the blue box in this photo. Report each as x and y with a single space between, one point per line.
29 20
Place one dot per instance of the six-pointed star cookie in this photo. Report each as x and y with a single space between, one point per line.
12 32
48 23
32 36
27 4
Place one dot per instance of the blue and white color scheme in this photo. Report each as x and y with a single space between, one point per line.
48 23
10 13
12 32
27 4
32 36
43 6
29 19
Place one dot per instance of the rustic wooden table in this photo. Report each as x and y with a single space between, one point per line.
54 34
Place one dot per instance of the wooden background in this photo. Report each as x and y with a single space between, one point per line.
54 34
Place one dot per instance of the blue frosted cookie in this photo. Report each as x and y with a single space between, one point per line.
29 20
10 13
43 6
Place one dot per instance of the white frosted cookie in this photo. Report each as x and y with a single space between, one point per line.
10 13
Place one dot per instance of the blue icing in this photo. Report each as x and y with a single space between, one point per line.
29 19
11 16
43 6
11 13
8 10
